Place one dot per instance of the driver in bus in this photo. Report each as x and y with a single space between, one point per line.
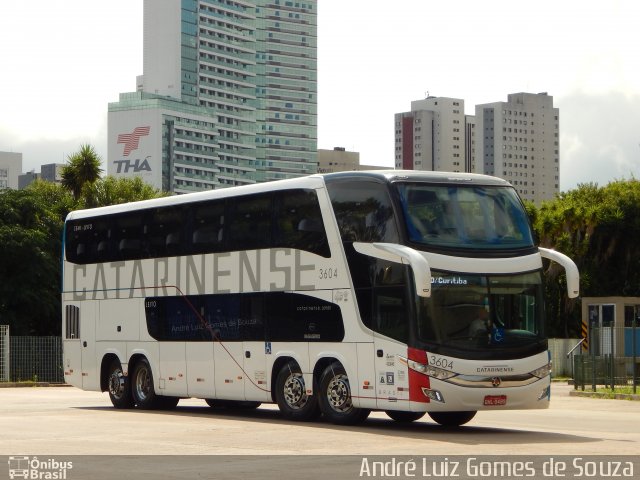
482 324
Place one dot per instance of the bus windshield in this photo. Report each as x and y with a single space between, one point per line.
468 216
483 312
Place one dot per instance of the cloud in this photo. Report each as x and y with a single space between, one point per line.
599 138
37 151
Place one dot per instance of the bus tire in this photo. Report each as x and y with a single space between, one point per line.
291 394
142 388
334 397
119 387
452 419
404 417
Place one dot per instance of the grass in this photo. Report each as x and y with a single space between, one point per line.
626 390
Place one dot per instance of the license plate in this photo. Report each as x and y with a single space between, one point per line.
490 400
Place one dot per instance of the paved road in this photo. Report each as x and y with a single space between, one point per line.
67 421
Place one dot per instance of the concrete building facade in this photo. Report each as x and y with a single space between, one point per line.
10 169
51 172
341 160
240 76
518 140
431 136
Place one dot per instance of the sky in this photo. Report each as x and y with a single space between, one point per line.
61 63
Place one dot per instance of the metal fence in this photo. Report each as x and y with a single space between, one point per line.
559 348
4 353
35 359
612 360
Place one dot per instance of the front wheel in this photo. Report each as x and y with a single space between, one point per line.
452 419
404 417
291 394
334 397
119 387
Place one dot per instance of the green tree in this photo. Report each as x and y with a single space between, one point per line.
111 191
30 245
597 227
83 168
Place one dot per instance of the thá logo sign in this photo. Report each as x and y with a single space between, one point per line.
131 140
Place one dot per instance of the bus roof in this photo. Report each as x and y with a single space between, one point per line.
420 176
311 181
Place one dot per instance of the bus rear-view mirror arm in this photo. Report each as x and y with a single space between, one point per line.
401 254
573 276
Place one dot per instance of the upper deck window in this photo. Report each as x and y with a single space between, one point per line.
468 217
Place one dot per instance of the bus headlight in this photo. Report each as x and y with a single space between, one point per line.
428 370
542 371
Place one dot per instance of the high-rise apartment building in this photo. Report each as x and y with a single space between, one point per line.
431 136
227 95
518 140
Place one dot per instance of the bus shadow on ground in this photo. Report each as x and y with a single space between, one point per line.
423 429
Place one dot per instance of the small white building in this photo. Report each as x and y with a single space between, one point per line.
10 169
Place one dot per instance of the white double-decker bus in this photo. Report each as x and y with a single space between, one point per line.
406 292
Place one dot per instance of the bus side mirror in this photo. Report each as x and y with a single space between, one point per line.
401 254
573 276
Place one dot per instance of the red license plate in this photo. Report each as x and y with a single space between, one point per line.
490 400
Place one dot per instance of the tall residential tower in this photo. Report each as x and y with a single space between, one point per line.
431 136
227 96
518 140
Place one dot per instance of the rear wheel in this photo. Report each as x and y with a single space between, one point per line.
291 394
404 417
142 388
452 419
334 397
119 387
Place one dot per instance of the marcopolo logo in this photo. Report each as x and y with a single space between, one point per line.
33 468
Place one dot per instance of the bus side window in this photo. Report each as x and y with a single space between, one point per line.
363 211
250 225
299 222
208 228
129 235
164 232
99 242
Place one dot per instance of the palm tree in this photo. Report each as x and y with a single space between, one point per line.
83 168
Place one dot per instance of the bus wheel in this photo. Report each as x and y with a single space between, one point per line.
119 387
452 419
404 417
334 397
291 394
142 386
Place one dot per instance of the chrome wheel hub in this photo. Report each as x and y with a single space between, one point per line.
294 391
339 393
116 384
143 383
